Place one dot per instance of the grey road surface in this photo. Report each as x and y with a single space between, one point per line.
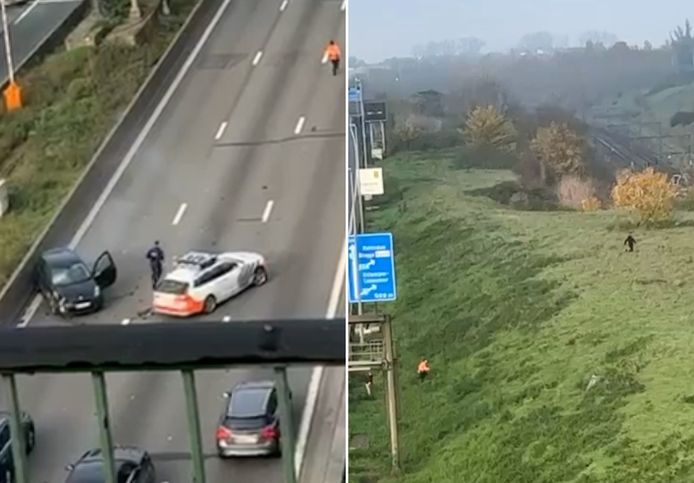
224 147
30 25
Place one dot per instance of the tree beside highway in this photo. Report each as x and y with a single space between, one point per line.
486 127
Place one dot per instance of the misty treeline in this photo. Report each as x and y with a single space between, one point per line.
573 79
548 146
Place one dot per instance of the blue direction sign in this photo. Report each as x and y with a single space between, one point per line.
354 94
371 268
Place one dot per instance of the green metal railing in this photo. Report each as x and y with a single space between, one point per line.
184 347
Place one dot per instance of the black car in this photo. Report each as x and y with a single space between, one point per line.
68 285
6 459
133 465
249 424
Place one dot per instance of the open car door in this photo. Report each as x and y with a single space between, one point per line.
104 271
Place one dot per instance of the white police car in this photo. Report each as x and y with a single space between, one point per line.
200 281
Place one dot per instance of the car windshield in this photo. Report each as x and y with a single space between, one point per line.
76 272
172 287
247 403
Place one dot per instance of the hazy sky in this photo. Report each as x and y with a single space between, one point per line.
379 29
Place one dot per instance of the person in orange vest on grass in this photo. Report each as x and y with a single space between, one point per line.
423 369
332 52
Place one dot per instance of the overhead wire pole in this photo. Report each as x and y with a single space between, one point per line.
13 93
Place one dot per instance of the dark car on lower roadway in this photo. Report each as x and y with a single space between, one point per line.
6 459
249 424
132 464
68 285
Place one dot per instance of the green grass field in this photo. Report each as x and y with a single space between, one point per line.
516 311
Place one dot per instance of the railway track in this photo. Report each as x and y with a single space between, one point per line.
620 148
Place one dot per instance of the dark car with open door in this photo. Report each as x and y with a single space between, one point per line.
68 285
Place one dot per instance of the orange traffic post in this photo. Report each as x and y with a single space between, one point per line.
13 97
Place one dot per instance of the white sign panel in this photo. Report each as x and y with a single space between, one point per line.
377 153
371 181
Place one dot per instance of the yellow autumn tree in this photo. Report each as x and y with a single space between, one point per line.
485 126
560 150
649 193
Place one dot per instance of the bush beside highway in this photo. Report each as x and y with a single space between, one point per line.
555 356
73 98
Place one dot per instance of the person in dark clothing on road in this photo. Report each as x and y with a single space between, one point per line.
630 242
155 255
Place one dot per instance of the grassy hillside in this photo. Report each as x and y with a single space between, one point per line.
516 312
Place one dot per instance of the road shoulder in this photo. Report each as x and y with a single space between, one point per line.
324 460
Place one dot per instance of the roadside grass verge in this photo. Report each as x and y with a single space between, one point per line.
555 355
73 98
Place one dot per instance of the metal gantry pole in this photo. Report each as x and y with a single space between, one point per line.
363 125
103 420
392 393
287 431
194 431
18 442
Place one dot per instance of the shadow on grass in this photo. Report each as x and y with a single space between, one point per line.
512 194
631 225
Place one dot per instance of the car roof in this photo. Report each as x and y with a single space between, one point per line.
254 385
60 255
189 266
120 453
247 408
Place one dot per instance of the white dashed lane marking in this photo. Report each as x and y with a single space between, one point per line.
299 125
220 131
267 210
284 5
179 213
257 57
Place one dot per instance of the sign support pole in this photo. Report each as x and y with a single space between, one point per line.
102 415
194 432
392 393
287 434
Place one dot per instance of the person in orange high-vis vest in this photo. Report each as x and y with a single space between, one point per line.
423 369
332 52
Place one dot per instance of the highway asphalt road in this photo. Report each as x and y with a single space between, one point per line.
30 25
230 143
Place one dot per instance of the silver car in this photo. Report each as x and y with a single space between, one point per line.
249 424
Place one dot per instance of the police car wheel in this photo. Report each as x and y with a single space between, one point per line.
259 276
210 304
